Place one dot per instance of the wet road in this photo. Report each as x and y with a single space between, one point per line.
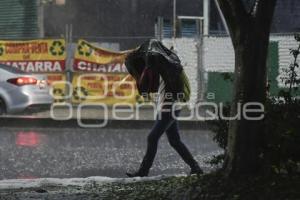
67 152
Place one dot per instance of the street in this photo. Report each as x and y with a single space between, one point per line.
76 152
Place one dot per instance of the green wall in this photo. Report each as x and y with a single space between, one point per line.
223 89
18 19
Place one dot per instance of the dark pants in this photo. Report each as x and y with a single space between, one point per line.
166 123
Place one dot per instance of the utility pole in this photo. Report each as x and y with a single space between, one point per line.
174 19
206 15
41 19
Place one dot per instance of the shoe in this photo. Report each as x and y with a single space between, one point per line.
196 170
136 174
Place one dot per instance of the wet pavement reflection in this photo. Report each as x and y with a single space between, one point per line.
67 152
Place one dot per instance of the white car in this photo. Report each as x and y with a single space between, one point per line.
20 90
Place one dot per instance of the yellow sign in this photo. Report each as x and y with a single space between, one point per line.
34 55
107 81
90 58
104 88
58 82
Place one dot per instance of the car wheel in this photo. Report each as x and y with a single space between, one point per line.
2 107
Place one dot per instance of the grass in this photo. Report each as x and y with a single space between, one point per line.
210 186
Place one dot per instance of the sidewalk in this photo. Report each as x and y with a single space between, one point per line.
98 112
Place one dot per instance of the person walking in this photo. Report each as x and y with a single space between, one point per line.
164 75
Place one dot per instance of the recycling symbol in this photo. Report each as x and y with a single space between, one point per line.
80 93
84 49
57 48
57 92
1 50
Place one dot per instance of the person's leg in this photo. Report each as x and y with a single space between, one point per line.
180 147
160 126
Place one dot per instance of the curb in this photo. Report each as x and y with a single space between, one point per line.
34 122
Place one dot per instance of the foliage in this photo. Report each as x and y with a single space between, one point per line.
220 127
282 138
